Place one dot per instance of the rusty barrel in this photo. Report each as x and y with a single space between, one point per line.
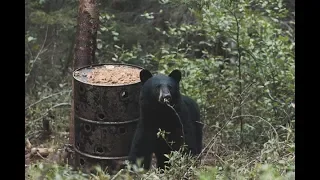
106 111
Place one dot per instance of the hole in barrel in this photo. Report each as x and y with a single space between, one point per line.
87 127
99 150
124 95
82 161
101 116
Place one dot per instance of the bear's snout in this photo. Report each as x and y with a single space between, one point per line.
167 99
165 96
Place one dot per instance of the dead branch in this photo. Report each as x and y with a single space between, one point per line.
28 144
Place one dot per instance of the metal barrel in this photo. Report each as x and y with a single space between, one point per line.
105 119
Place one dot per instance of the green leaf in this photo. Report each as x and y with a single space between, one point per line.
114 33
99 45
103 29
281 162
115 38
116 46
30 38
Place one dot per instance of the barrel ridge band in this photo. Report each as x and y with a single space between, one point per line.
102 122
99 157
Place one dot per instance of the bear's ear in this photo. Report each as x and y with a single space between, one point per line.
145 75
176 75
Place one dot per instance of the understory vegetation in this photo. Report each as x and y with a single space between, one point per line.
237 59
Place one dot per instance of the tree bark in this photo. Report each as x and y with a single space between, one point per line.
85 45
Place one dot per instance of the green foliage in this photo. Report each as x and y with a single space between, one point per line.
54 171
181 167
55 18
262 172
261 80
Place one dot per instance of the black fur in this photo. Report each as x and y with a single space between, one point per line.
155 114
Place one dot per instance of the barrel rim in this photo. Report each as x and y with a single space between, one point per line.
100 157
134 120
101 64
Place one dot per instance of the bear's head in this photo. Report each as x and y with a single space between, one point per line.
159 88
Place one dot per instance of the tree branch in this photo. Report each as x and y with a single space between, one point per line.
37 57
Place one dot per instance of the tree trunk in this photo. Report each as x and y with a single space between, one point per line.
26 16
85 45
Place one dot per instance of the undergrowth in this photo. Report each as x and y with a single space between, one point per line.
274 161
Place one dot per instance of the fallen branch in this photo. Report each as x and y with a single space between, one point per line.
28 144
41 152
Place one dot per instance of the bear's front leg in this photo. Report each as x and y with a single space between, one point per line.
142 145
190 137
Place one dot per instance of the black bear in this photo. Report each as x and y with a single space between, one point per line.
159 93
